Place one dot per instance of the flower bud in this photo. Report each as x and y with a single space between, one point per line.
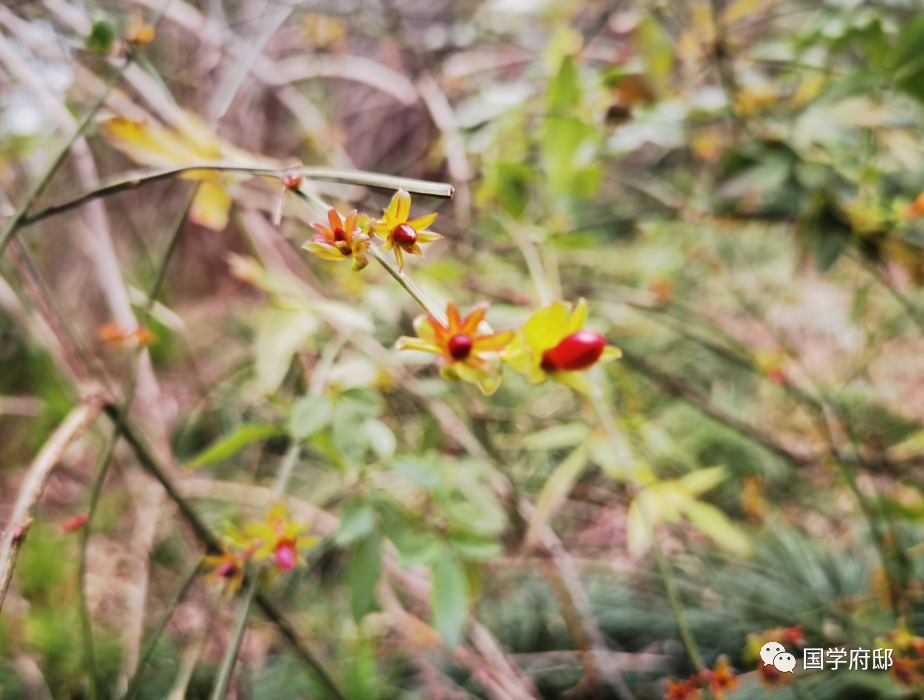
578 351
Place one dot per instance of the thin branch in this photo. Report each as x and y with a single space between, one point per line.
146 457
18 219
234 645
137 178
184 586
37 478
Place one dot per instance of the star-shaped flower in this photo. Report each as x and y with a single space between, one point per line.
553 345
228 567
465 354
279 537
343 240
401 234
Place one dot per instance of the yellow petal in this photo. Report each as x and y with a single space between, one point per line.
577 381
547 327
578 317
400 206
325 251
408 343
391 219
421 223
424 328
610 353
149 145
210 206
399 257
428 237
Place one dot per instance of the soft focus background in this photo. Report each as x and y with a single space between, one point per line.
733 185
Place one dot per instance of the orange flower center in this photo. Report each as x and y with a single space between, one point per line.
460 346
405 235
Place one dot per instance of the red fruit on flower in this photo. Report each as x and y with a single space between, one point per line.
405 235
286 556
460 346
576 352
292 180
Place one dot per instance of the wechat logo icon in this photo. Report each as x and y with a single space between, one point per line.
774 654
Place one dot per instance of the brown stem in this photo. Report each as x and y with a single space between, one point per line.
37 478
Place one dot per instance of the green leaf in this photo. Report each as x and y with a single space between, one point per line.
449 598
471 547
414 546
281 333
365 402
513 180
229 445
553 495
357 521
567 145
565 90
363 576
310 415
419 472
702 480
381 438
910 45
557 437
713 523
349 436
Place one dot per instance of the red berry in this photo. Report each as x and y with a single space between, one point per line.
460 346
286 557
405 235
576 352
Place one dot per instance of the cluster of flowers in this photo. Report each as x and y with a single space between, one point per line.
277 537
551 345
719 680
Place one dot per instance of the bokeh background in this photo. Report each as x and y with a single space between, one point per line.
734 186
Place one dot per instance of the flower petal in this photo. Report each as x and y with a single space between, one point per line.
399 257
474 319
421 222
610 353
380 229
546 327
391 220
400 206
360 243
323 230
350 224
578 316
415 249
455 320
323 248
425 328
334 218
408 343
492 343
427 237
577 381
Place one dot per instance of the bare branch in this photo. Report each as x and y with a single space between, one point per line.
37 478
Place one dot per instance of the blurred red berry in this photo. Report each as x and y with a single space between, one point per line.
576 352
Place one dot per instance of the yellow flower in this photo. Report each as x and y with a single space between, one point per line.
227 567
342 241
465 354
553 345
401 234
279 537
